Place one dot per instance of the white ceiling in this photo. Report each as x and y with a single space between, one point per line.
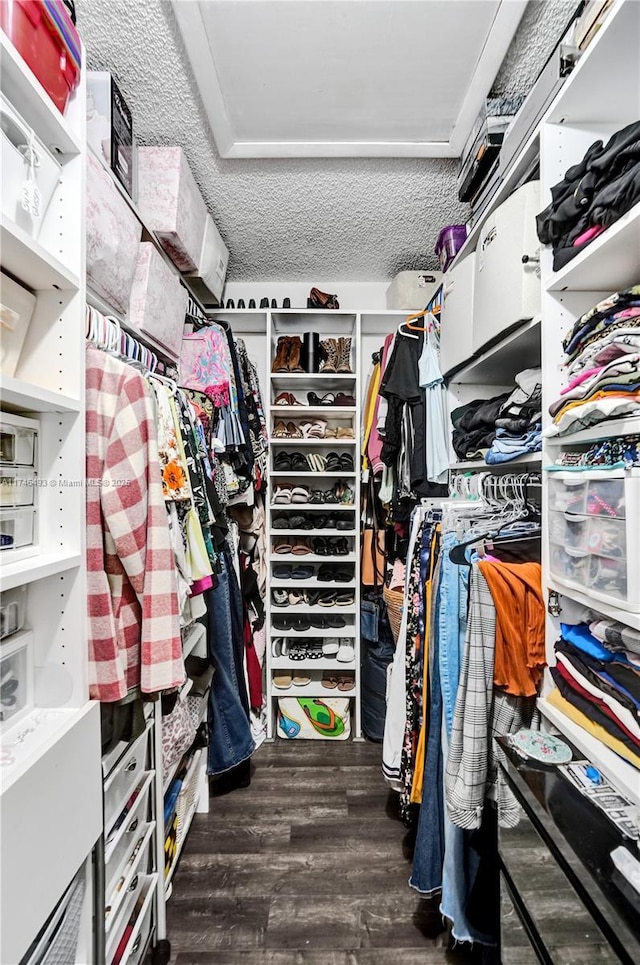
350 219
345 78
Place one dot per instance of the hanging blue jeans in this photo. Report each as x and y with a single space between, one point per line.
428 855
230 740
452 626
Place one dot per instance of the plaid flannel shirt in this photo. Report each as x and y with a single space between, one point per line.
482 712
134 630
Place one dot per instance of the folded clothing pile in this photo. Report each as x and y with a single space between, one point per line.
598 679
603 365
504 427
593 195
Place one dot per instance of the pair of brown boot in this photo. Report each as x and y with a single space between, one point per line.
288 354
336 355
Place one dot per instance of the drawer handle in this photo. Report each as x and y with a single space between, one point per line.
133 826
134 883
136 945
133 763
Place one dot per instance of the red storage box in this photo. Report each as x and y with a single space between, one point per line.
43 34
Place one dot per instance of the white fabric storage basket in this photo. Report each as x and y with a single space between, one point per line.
456 340
214 259
16 308
30 172
171 204
412 291
158 301
594 522
113 235
506 291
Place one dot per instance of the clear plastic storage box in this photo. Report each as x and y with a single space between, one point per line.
16 678
13 610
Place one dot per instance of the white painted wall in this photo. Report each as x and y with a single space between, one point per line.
353 296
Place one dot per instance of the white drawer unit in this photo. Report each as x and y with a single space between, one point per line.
17 439
456 338
507 288
124 779
139 863
121 843
128 927
593 526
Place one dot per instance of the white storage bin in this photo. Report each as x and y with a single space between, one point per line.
13 610
16 308
17 528
121 841
214 259
158 301
113 234
171 204
594 522
16 678
17 440
124 779
17 486
456 338
506 291
412 291
30 172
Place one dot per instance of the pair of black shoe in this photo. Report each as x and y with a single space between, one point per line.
303 623
264 303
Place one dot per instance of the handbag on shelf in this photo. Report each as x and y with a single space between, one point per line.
373 548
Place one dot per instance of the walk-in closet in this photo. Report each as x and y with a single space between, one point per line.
320 482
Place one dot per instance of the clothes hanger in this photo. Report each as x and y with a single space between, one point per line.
458 555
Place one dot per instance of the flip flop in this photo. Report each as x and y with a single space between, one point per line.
327 598
345 599
345 684
282 680
330 682
346 462
299 680
322 718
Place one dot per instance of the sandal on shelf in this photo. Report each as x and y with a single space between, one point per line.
299 462
303 573
301 548
339 546
316 497
314 430
320 546
280 430
346 462
331 496
344 400
333 462
346 653
344 683
345 599
299 522
282 522
280 598
343 523
316 462
343 575
331 433
335 622
294 431
299 494
330 647
346 432
295 597
286 398
282 494
327 399
283 571
313 596
300 680
278 647
282 546
283 680
327 598
282 462
329 682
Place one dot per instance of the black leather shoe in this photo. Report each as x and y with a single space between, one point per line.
286 303
274 303
264 303
241 303
252 303
237 777
230 303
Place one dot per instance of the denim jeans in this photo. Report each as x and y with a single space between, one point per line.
452 626
230 740
428 855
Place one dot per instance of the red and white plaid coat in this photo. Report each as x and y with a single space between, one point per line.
134 629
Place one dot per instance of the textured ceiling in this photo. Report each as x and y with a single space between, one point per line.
345 219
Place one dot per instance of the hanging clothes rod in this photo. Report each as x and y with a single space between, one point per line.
103 308
106 332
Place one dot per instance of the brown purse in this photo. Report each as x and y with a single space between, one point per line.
373 544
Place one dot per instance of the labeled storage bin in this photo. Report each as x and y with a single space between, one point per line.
594 522
17 486
171 204
16 308
13 610
16 678
30 172
158 301
456 339
450 241
45 37
17 439
507 290
209 281
17 528
113 235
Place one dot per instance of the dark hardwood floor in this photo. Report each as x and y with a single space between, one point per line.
307 866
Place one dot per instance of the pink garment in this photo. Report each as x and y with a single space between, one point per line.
199 586
374 447
579 379
205 361
588 235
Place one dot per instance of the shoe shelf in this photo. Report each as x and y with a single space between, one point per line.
296 385
321 663
314 689
304 558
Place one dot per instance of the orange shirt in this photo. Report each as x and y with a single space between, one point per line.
516 589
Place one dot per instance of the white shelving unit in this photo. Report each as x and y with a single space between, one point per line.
328 324
51 757
601 96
